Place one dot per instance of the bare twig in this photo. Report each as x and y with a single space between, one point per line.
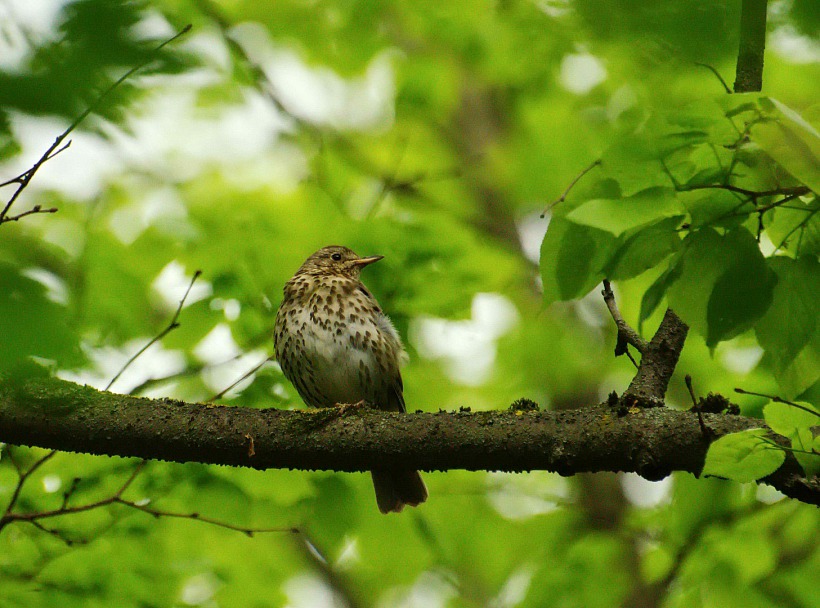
252 371
171 327
697 407
566 192
25 178
32 211
70 492
777 399
626 335
208 520
717 74
116 498
21 481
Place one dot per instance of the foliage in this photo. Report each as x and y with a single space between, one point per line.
435 134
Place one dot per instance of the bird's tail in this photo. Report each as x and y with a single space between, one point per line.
396 488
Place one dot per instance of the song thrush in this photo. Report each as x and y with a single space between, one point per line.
336 346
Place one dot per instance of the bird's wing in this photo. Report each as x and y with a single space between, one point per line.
396 397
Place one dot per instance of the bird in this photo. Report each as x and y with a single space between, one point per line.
337 347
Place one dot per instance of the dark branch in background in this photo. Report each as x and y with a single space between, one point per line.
34 518
566 192
749 72
171 327
25 178
260 80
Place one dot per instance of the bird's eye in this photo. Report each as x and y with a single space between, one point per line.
337 257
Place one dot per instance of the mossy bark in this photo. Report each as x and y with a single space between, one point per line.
652 442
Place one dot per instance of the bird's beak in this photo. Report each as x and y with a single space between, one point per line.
365 261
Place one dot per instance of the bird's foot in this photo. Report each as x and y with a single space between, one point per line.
345 409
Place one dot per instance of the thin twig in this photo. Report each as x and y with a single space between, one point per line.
70 492
25 178
799 226
208 520
171 327
116 498
32 211
566 192
777 399
255 369
697 407
796 190
777 446
59 534
626 334
717 74
21 481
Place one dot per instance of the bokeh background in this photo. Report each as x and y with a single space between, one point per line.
435 134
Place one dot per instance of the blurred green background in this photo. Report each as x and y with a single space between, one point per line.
435 134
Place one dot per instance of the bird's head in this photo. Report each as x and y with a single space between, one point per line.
336 260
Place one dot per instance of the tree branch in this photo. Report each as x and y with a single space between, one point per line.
749 72
658 357
658 362
55 148
53 413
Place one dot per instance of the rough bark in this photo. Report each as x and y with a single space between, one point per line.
652 442
658 361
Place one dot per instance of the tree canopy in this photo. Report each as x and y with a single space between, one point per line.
168 166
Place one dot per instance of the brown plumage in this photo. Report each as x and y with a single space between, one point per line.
336 346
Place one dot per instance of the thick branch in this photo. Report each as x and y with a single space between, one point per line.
658 361
749 72
652 442
659 356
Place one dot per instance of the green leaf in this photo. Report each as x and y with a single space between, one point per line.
802 372
724 285
634 164
802 442
796 228
714 207
658 289
643 249
740 296
796 424
791 320
786 419
571 259
619 215
743 456
33 324
792 142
